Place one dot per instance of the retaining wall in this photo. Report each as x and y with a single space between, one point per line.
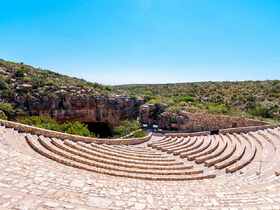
54 134
224 131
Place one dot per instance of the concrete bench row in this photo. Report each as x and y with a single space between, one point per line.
230 152
91 157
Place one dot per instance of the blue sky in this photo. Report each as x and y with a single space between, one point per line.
145 41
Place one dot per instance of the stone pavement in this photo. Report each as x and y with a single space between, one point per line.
31 181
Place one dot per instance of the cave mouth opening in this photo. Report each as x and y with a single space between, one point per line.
101 129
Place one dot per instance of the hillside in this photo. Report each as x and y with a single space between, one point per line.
18 77
259 99
19 81
62 102
28 91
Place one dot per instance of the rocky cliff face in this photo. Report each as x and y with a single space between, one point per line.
33 91
110 110
190 122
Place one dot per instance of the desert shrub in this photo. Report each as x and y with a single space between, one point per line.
218 109
139 134
108 88
6 108
173 119
20 72
265 111
186 98
41 122
37 81
275 86
154 101
126 127
174 109
7 93
3 115
47 122
76 128
3 84
5 90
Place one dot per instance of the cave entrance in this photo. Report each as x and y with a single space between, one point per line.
101 129
214 132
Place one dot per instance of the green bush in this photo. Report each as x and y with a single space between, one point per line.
41 122
7 93
3 115
218 109
76 128
47 122
3 85
174 109
154 101
139 134
126 127
20 73
6 108
184 99
261 110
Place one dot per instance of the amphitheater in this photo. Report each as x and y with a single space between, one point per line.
235 169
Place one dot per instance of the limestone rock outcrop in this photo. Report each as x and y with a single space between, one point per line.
190 122
105 109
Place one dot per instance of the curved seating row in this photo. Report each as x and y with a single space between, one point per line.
227 152
171 158
116 160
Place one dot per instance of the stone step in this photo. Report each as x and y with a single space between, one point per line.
48 145
135 150
74 151
237 151
178 150
110 151
35 144
163 140
172 142
206 144
148 152
169 148
228 152
196 146
222 146
179 141
214 145
103 154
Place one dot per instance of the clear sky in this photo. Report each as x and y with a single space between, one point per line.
145 41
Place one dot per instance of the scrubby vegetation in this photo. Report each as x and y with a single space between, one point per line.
17 79
3 115
256 99
138 134
46 122
6 110
129 127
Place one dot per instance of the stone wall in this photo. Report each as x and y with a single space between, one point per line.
191 122
54 134
224 131
196 122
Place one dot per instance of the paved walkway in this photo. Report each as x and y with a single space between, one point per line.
30 181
